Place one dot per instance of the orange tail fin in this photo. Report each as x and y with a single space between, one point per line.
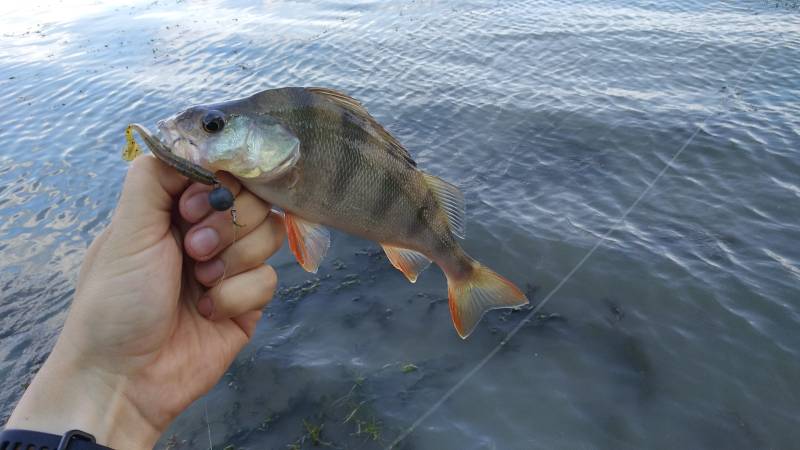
480 291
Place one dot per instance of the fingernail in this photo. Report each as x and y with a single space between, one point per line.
205 307
204 241
197 205
210 271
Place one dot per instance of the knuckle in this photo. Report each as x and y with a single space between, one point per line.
271 278
226 305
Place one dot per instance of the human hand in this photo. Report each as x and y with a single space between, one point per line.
151 329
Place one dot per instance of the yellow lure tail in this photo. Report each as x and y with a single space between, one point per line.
131 150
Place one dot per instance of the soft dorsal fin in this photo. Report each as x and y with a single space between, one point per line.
344 101
309 241
410 262
452 202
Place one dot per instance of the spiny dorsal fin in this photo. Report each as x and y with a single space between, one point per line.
344 101
410 262
309 241
451 201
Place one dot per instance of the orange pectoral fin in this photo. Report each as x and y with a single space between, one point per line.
308 241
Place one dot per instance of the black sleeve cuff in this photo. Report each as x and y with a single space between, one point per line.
35 440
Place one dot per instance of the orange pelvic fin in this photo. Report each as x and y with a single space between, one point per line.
410 262
309 241
480 291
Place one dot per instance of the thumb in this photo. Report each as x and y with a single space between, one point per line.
144 211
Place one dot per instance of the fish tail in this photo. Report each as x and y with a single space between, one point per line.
475 290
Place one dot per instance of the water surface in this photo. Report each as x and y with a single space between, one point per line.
680 331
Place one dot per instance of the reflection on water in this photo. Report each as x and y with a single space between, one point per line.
679 332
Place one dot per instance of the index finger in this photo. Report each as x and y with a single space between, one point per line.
147 198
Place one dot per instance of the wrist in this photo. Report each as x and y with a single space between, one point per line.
66 395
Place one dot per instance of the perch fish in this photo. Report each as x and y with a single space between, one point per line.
326 162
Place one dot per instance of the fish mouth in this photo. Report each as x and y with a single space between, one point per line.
163 153
152 142
178 145
165 135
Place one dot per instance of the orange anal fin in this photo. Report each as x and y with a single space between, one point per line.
309 241
482 290
410 262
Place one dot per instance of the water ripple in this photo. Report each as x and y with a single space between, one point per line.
551 116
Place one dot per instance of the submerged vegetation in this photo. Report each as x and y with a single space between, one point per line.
351 414
408 368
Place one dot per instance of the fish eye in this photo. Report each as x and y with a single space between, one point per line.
213 122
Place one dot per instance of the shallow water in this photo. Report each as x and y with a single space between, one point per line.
680 331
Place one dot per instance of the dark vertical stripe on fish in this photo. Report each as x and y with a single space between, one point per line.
346 170
351 162
388 194
420 221
307 114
